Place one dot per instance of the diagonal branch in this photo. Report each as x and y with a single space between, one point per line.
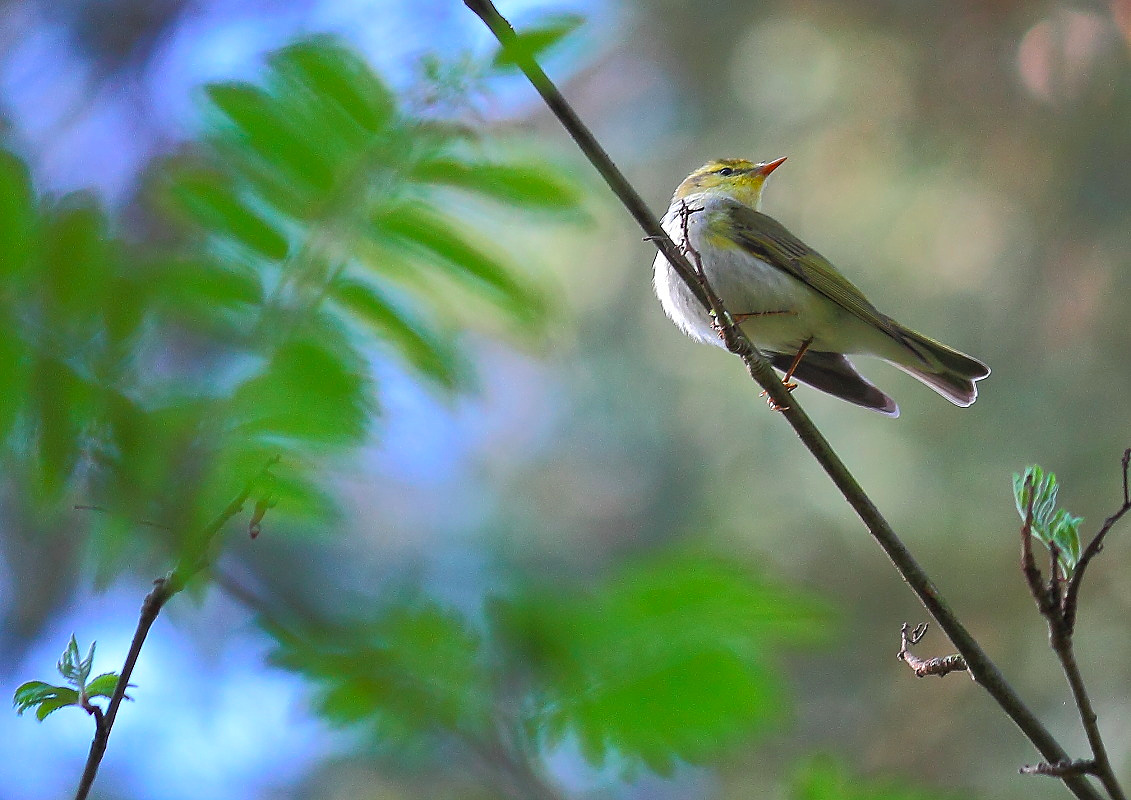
985 672
163 589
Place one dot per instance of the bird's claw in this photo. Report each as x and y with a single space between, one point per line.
773 404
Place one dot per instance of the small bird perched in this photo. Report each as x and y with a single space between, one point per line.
789 300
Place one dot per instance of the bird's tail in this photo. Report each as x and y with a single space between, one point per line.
952 374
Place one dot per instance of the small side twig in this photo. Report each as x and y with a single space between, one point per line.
163 589
1072 593
149 523
1060 769
944 665
1056 576
1033 578
733 339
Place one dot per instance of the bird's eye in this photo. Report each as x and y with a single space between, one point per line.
726 171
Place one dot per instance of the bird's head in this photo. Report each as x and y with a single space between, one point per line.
734 177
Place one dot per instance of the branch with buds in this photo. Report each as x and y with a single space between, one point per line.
1057 600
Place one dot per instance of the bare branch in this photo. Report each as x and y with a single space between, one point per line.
1061 641
1060 769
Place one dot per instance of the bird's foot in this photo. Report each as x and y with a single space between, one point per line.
772 403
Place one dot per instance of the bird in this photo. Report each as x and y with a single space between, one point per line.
789 300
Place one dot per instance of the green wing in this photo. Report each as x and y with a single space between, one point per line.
768 239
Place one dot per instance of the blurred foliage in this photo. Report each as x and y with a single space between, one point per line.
1053 527
75 669
331 192
415 671
71 313
668 661
317 219
827 779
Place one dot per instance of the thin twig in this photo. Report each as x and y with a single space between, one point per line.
941 666
102 509
163 589
1029 566
1056 576
1061 641
1072 594
1060 769
688 249
981 667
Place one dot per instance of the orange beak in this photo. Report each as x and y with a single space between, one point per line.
766 169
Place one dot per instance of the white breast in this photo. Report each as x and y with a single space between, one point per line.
785 311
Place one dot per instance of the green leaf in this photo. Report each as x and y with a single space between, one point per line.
14 361
104 686
670 660
431 355
73 666
524 185
299 496
18 218
1064 531
308 392
199 285
206 199
415 669
129 301
333 72
532 43
825 778
438 241
44 698
78 262
272 134
1051 526
65 404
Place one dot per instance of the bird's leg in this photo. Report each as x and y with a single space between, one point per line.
796 363
741 318
787 380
